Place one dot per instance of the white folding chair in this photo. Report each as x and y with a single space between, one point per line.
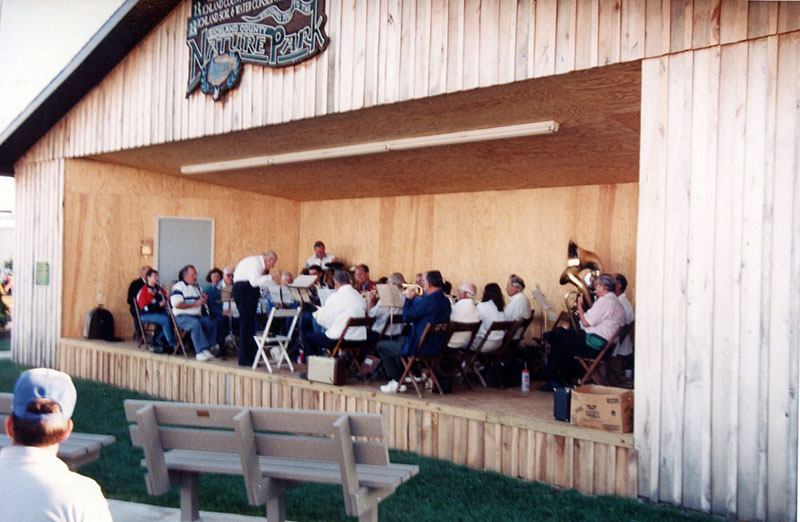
281 342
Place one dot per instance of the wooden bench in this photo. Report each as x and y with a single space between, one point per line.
273 449
77 450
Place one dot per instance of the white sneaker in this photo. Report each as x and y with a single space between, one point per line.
393 387
275 353
204 356
409 381
209 354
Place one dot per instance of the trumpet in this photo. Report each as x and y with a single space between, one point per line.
417 289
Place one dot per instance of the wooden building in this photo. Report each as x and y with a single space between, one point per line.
675 160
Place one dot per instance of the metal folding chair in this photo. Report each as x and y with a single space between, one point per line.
429 362
281 342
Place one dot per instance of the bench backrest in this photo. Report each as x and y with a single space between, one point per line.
250 433
6 403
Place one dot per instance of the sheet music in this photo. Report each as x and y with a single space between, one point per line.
390 296
541 299
303 281
324 294
281 294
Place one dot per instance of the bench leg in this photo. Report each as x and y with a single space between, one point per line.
190 504
371 515
276 502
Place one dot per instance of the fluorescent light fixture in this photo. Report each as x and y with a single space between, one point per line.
360 149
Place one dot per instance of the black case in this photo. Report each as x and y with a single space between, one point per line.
561 404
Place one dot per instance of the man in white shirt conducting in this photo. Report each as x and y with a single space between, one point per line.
345 303
251 273
34 483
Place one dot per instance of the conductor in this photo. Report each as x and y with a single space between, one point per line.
251 273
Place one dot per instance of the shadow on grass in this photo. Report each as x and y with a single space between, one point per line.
441 492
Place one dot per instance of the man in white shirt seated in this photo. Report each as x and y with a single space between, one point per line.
518 307
320 257
34 483
600 323
464 311
343 304
382 313
188 304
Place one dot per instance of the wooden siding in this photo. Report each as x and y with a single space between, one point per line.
719 290
387 51
38 237
480 236
591 461
109 210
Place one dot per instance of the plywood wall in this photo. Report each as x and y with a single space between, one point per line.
109 209
481 236
719 239
386 51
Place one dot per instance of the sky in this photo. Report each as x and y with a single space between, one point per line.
37 40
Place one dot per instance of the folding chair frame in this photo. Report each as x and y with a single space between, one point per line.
428 362
353 349
143 337
279 341
179 333
590 364
462 352
472 357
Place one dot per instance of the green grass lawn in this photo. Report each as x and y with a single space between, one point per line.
441 492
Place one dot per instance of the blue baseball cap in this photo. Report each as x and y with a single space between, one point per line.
44 383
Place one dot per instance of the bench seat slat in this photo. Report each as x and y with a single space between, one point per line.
288 469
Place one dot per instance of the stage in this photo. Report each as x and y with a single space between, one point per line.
507 431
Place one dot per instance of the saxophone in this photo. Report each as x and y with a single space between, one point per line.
583 267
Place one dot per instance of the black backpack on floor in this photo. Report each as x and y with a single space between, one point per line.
99 324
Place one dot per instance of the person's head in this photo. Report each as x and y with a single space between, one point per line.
492 292
214 276
432 281
466 290
361 274
287 278
227 275
418 279
396 279
622 284
43 403
188 274
341 278
144 270
151 277
605 284
383 280
316 271
270 258
515 285
447 287
319 249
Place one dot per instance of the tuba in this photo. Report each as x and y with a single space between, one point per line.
583 267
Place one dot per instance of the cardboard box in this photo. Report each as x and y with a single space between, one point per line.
603 408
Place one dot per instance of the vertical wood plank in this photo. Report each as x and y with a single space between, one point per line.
788 17
408 36
632 31
391 89
608 42
523 66
474 444
650 263
733 21
567 12
357 95
583 465
507 30
489 36
762 19
681 19
657 27
455 45
422 48
705 27
437 81
586 34
545 38
372 51
472 43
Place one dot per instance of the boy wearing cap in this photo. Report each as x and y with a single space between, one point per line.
34 483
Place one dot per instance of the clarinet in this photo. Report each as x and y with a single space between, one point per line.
206 311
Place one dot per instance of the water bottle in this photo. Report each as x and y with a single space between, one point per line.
526 379
300 357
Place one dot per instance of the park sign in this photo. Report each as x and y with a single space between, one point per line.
223 34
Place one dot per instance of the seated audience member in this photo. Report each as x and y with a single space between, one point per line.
363 282
382 313
519 307
187 304
433 307
343 304
133 291
320 257
214 292
152 303
599 323
491 310
624 347
34 483
464 311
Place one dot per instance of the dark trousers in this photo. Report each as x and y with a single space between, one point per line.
246 298
565 345
317 343
389 352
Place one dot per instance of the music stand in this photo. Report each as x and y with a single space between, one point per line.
546 306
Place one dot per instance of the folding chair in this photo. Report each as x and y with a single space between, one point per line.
146 334
430 362
590 364
473 357
471 329
354 348
179 332
281 342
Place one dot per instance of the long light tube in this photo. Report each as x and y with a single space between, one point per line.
360 149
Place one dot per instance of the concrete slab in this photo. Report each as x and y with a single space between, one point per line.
131 512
